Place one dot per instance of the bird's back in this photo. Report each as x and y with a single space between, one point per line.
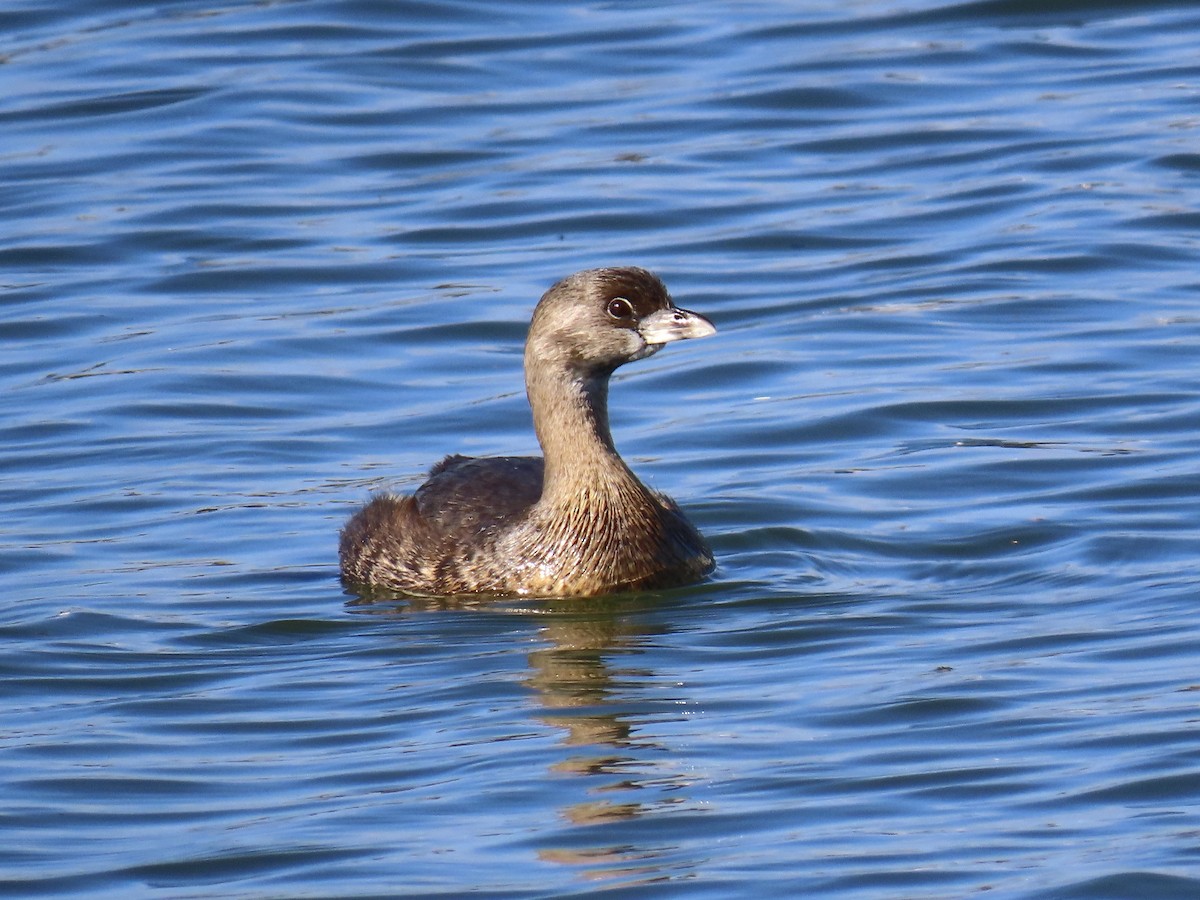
474 495
435 540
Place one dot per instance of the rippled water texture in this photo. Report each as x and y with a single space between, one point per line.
261 259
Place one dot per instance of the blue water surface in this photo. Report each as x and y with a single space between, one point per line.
261 259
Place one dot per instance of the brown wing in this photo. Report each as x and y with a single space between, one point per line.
475 494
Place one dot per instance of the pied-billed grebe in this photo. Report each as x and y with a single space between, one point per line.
576 522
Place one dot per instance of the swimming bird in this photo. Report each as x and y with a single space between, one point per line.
575 521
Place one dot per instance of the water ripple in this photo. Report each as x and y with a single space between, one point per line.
265 258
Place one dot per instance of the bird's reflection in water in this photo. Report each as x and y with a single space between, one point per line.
588 685
584 682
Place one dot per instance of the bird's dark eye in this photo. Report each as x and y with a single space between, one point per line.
620 308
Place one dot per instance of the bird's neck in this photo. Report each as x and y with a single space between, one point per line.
570 416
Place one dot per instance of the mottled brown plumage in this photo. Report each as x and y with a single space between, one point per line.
572 523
